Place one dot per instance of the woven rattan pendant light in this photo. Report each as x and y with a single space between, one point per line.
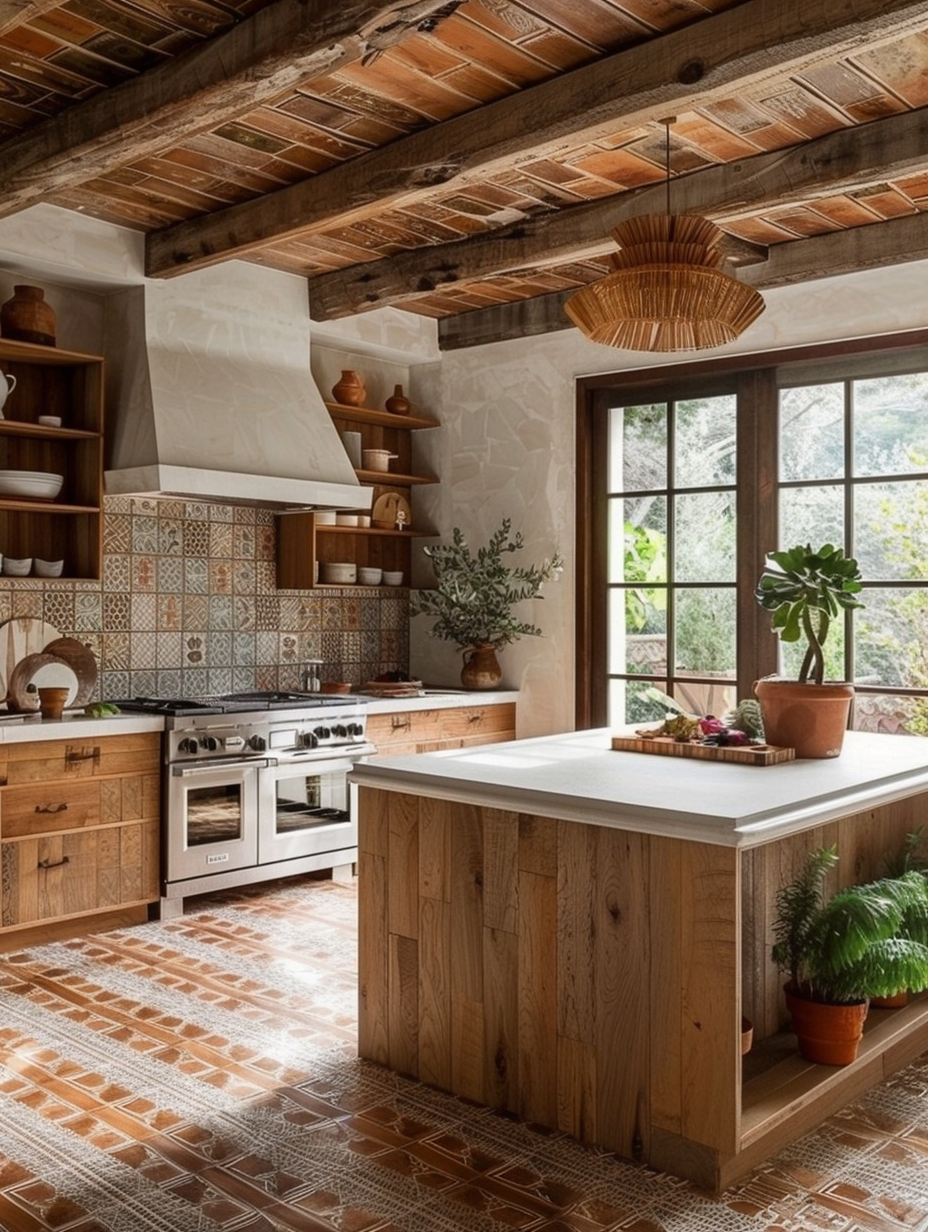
667 291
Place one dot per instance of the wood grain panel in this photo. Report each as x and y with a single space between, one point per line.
501 870
578 929
711 995
466 878
537 845
623 920
434 850
403 884
537 997
373 823
665 893
502 1073
577 1103
373 970
403 1011
435 965
45 807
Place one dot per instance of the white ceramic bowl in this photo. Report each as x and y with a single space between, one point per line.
339 573
368 576
50 421
39 485
391 578
325 517
17 568
48 568
346 519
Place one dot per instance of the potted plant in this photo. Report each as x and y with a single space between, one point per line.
805 591
474 599
838 952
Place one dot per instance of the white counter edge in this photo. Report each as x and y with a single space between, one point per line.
21 729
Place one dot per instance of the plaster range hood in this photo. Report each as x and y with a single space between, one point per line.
210 396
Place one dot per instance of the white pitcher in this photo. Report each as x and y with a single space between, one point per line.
7 385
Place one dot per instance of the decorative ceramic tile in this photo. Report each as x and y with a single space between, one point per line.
243 678
114 684
221 513
170 536
144 534
244 577
115 653
194 650
220 539
143 506
197 511
144 574
195 682
265 577
169 683
117 573
172 509
142 683
143 650
143 613
196 611
169 650
244 541
220 611
170 573
289 648
170 611
196 538
244 514
267 612
58 608
220 680
115 611
266 646
28 598
219 649
117 533
88 610
244 613
244 646
220 576
196 575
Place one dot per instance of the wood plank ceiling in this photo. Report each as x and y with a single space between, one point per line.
466 159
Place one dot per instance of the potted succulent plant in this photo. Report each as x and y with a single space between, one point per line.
805 590
864 941
474 598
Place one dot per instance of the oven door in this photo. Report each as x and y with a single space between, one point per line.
212 818
313 810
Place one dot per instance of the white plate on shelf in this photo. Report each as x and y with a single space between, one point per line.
37 485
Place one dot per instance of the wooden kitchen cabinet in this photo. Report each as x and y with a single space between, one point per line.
302 543
69 385
424 731
80 824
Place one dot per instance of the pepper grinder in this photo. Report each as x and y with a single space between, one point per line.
310 677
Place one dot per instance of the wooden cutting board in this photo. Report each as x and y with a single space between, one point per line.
18 638
746 754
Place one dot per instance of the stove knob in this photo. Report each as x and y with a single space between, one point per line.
210 743
356 729
340 730
322 733
189 744
309 740
258 743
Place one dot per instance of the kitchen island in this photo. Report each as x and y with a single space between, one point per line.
573 934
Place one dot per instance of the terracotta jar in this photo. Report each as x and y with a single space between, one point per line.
810 718
349 389
398 403
27 318
481 667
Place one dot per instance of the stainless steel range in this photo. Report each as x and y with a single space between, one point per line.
256 787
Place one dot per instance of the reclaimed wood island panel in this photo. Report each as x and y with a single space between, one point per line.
573 934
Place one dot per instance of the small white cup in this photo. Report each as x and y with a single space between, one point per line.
392 578
369 576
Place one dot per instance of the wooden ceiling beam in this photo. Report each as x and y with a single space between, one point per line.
253 62
894 242
752 42
848 158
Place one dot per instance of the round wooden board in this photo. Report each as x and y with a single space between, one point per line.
81 660
18 638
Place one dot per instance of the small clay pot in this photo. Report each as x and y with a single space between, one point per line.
349 389
27 318
398 403
52 701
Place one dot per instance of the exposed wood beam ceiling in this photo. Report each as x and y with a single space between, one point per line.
467 159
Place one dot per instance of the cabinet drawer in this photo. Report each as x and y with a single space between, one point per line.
61 875
45 808
44 760
425 730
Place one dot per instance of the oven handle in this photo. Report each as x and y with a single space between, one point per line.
211 765
328 760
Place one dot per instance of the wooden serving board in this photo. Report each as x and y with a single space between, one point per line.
747 754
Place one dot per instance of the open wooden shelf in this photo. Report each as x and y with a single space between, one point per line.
391 479
380 419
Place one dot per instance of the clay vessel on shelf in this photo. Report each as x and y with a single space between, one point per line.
398 403
349 389
27 318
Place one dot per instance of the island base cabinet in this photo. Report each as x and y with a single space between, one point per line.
79 836
581 977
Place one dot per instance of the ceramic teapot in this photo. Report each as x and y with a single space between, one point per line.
7 385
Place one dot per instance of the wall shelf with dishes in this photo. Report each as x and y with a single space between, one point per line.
308 542
51 457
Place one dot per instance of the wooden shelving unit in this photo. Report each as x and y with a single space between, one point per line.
302 543
68 384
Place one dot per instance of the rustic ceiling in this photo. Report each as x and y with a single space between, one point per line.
466 159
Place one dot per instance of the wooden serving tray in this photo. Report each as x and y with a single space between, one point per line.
667 746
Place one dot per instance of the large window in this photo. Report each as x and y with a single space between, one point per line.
689 478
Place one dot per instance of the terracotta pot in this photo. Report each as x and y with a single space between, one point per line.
827 1034
481 668
349 389
398 403
27 318
52 701
747 1036
890 1003
810 718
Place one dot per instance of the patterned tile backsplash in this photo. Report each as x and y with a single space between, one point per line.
188 606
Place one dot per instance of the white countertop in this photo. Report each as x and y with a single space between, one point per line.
577 776
21 728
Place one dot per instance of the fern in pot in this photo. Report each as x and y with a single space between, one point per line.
475 596
805 590
863 942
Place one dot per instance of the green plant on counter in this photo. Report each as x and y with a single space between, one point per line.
805 593
475 592
864 941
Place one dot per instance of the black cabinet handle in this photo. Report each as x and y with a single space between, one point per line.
54 863
51 808
83 755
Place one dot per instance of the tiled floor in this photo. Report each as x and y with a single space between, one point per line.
201 1074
